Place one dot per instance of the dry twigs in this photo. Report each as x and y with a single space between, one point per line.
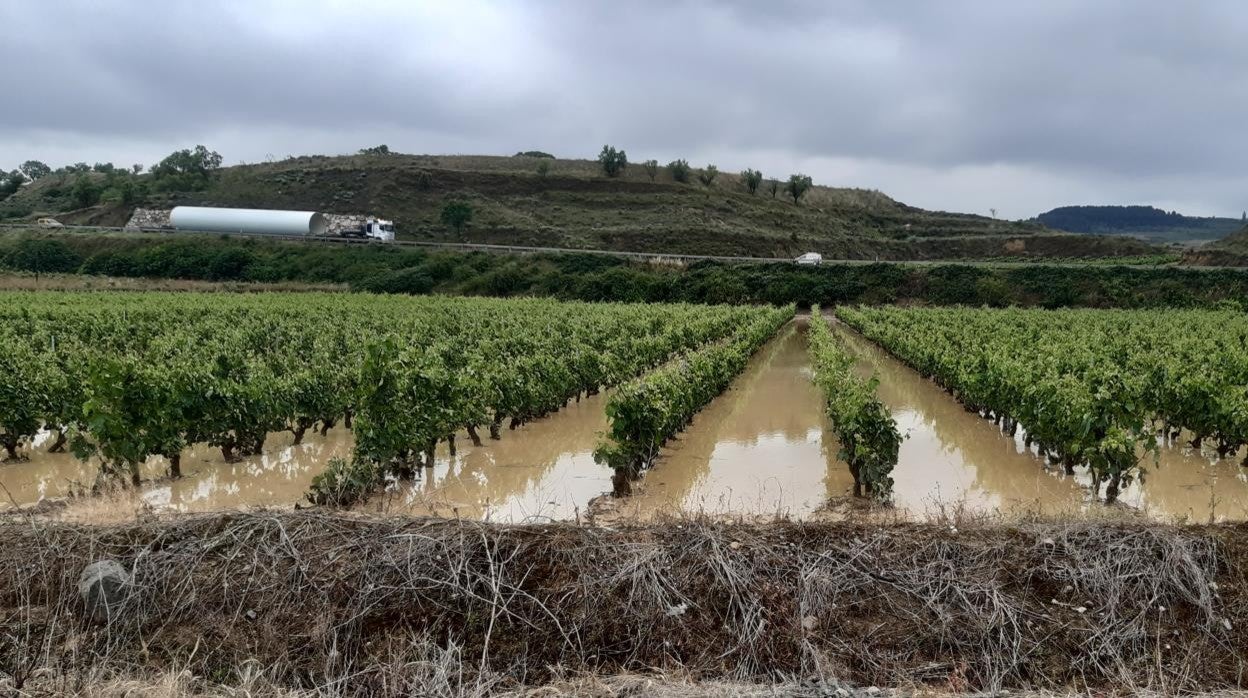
340 604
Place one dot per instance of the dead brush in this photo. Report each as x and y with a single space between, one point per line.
347 605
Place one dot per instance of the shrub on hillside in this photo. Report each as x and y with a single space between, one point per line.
707 175
679 170
613 161
86 191
751 178
534 154
652 168
186 170
456 215
797 186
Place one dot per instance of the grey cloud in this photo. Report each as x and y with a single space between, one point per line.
1125 91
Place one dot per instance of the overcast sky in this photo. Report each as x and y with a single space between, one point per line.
960 105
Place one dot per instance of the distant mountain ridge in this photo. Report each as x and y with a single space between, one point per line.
1146 222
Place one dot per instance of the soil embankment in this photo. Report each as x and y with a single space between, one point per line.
385 606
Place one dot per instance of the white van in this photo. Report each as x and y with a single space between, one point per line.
812 259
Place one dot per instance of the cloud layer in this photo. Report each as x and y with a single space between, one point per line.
959 105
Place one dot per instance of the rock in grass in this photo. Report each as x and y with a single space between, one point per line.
103 586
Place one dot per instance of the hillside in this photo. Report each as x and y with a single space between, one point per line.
1144 222
1230 251
574 205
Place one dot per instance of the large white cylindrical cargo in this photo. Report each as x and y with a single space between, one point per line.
255 221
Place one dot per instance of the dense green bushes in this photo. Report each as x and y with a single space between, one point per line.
395 269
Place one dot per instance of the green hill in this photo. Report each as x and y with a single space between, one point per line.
574 205
1144 222
1230 251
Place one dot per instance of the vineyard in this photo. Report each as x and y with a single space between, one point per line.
125 377
868 434
1098 389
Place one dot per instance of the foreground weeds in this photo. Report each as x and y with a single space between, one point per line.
291 603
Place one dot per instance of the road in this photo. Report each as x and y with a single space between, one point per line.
640 256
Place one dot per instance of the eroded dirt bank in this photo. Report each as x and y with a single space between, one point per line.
369 606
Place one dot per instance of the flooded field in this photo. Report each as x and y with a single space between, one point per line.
762 448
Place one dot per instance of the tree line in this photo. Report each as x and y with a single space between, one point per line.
613 163
86 185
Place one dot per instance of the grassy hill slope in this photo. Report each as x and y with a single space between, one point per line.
573 205
1230 251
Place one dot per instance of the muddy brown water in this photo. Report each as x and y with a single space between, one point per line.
763 448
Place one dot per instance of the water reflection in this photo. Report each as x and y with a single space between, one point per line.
953 455
763 447
542 470
279 476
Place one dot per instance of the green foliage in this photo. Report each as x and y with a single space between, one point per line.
10 183
613 161
534 154
603 278
543 168
34 169
423 179
652 168
797 186
1086 386
647 411
679 169
412 281
43 256
870 441
707 175
377 150
751 178
456 215
186 170
86 191
344 483
773 187
128 191
104 168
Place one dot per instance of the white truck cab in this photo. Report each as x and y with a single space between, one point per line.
379 229
812 259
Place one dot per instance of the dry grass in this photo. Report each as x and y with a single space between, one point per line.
350 605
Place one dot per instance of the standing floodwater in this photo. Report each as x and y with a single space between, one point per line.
763 447
543 470
953 456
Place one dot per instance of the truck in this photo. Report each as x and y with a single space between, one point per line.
372 229
254 221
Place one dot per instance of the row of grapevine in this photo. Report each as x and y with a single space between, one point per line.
644 413
870 442
1090 387
127 376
